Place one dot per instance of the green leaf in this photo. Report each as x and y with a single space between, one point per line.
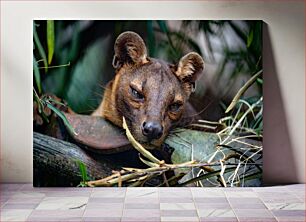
86 78
36 75
62 116
164 28
151 38
41 50
59 80
75 43
239 32
188 143
54 82
50 40
250 38
260 81
187 40
83 171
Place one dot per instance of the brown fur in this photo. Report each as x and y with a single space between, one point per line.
146 88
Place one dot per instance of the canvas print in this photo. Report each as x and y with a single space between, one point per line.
147 103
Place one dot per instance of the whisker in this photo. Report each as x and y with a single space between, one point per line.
102 86
98 94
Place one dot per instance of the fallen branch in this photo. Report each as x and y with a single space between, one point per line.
57 160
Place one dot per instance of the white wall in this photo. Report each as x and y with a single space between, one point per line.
284 140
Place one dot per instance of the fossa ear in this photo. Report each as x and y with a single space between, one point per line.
189 68
129 49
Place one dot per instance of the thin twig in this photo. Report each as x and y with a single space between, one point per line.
242 90
165 179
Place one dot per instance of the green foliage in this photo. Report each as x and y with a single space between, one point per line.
242 152
249 118
36 75
44 101
85 75
62 116
88 47
83 173
47 101
40 48
250 38
50 40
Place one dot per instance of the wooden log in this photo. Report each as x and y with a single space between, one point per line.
55 162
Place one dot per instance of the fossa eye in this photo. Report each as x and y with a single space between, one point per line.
136 94
175 107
